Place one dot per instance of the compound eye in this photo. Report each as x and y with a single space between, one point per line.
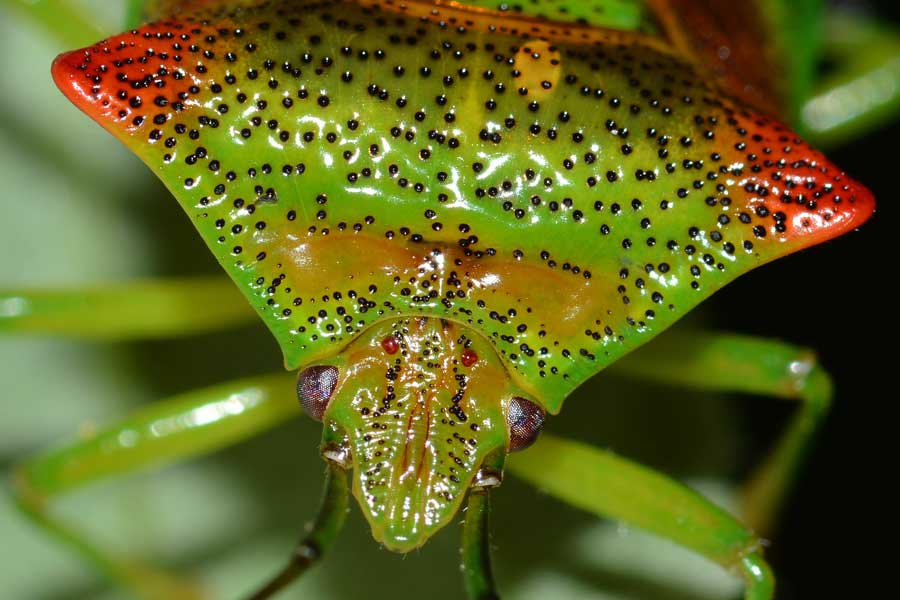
525 420
314 388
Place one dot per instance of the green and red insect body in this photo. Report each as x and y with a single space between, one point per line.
452 218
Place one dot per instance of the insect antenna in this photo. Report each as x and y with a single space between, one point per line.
321 535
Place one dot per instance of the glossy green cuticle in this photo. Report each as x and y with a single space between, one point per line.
450 217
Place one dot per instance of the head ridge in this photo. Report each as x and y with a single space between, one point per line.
419 408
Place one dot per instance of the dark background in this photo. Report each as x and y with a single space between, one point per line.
833 529
841 511
835 536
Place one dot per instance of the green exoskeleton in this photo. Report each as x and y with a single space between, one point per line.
451 216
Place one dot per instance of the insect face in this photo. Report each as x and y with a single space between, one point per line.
422 409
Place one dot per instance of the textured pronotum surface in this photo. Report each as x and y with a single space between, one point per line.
567 192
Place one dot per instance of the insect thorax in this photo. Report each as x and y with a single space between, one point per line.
566 191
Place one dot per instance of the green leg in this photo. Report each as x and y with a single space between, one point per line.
609 486
737 363
134 310
321 536
188 425
476 549
63 20
861 90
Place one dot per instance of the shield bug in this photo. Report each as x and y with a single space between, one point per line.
451 217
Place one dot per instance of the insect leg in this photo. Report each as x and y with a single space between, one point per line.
183 426
610 486
62 20
136 310
864 55
735 363
476 551
321 535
